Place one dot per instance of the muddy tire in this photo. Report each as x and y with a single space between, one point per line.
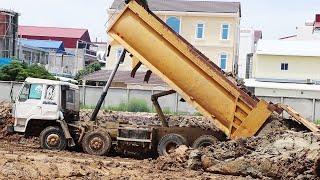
170 142
53 138
96 143
204 141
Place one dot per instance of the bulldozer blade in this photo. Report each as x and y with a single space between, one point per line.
147 76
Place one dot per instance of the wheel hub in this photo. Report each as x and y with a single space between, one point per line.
96 143
53 140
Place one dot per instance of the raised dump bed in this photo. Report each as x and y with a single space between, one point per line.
186 70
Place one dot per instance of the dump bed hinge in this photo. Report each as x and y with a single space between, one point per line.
298 118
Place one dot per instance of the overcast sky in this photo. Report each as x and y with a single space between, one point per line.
276 18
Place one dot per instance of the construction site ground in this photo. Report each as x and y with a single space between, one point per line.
281 151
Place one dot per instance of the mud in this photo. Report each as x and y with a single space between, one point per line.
27 161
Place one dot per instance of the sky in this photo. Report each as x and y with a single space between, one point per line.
276 18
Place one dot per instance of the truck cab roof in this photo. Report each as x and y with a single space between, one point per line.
53 82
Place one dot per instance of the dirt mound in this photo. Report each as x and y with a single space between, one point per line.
5 118
141 118
277 155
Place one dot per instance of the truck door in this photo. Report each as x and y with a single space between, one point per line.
28 104
50 102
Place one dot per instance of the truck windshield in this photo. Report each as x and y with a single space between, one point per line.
30 91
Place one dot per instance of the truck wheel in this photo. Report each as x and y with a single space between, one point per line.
53 138
204 141
96 143
170 142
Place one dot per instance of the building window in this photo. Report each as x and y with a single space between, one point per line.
284 67
223 61
225 32
119 51
200 31
174 23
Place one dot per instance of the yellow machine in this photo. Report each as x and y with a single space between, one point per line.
191 74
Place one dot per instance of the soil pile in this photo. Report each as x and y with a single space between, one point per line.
141 118
5 118
276 155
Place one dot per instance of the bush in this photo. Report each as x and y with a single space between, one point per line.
166 110
121 107
138 105
88 70
17 71
134 105
197 114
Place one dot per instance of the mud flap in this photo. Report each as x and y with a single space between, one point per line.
66 132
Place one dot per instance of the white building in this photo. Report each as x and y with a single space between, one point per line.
287 61
248 41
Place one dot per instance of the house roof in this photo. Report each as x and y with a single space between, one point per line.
288 48
123 77
188 6
51 32
44 44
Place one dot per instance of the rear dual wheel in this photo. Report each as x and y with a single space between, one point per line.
204 141
169 143
96 143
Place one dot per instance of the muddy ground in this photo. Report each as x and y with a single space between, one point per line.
280 151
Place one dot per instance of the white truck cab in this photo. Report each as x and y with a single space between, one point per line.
41 102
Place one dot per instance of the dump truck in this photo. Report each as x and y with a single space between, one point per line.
50 109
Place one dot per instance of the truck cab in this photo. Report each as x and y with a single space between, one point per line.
42 102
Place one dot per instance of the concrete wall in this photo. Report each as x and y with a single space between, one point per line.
211 45
299 67
306 102
89 96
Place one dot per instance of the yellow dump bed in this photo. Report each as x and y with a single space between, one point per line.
186 70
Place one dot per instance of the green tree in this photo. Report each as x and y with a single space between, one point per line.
88 70
17 71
